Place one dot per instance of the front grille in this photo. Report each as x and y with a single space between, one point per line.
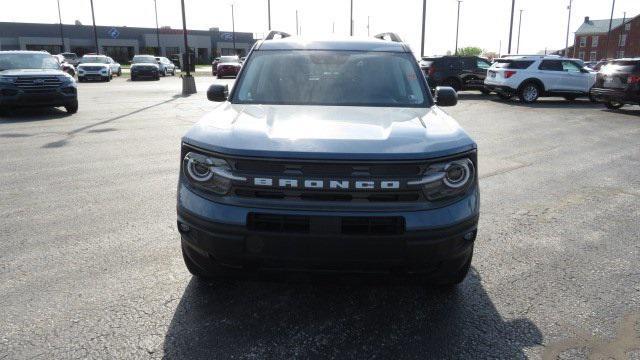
328 169
349 226
92 68
328 196
38 82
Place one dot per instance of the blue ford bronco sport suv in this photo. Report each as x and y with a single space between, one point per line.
329 156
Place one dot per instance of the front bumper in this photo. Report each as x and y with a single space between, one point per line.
228 72
92 75
15 97
606 95
220 235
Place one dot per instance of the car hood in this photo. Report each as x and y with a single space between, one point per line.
329 132
32 72
229 64
144 65
93 64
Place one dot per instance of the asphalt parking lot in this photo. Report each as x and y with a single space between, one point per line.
90 263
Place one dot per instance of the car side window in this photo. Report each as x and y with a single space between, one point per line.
483 64
570 66
467 64
551 65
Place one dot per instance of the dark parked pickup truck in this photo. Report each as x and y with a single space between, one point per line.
458 72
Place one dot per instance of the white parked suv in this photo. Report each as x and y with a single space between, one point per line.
530 77
97 67
166 66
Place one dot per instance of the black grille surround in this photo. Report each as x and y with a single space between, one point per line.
38 82
347 170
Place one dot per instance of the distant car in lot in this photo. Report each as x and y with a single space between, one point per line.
231 60
71 58
458 72
531 77
618 83
34 78
95 67
145 66
65 66
166 66
175 59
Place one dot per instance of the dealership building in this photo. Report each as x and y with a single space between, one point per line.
122 42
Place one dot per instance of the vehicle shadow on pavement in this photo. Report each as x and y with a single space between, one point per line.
31 114
550 103
311 320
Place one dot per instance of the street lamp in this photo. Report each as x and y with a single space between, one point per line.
566 43
61 29
95 32
269 13
513 5
155 4
351 20
188 82
606 49
519 25
457 27
233 29
424 20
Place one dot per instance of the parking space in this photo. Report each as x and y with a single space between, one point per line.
91 265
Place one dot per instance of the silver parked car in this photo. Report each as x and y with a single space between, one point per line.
166 66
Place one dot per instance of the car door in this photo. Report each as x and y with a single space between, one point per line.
482 66
574 79
550 72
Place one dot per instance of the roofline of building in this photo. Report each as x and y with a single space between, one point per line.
624 22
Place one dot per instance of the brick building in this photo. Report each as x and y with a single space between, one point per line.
591 39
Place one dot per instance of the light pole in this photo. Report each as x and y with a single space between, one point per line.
269 14
95 32
424 20
513 5
351 20
297 28
155 5
519 26
566 43
188 82
606 49
233 29
61 29
368 26
457 27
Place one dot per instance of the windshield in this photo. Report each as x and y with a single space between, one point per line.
94 60
224 59
28 61
144 60
338 78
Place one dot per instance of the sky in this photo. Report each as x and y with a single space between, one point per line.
483 23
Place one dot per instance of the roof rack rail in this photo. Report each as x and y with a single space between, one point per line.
273 33
388 36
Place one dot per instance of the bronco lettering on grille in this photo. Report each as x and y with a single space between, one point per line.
328 184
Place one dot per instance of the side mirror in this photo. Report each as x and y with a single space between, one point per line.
218 93
446 96
584 70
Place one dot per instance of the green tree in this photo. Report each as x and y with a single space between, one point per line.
470 51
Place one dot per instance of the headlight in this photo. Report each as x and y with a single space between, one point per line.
210 173
65 79
7 80
447 179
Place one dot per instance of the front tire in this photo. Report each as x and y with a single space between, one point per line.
529 93
613 105
119 72
458 274
72 108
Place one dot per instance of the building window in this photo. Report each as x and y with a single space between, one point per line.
51 49
594 41
583 41
620 54
581 55
170 50
593 56
622 40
